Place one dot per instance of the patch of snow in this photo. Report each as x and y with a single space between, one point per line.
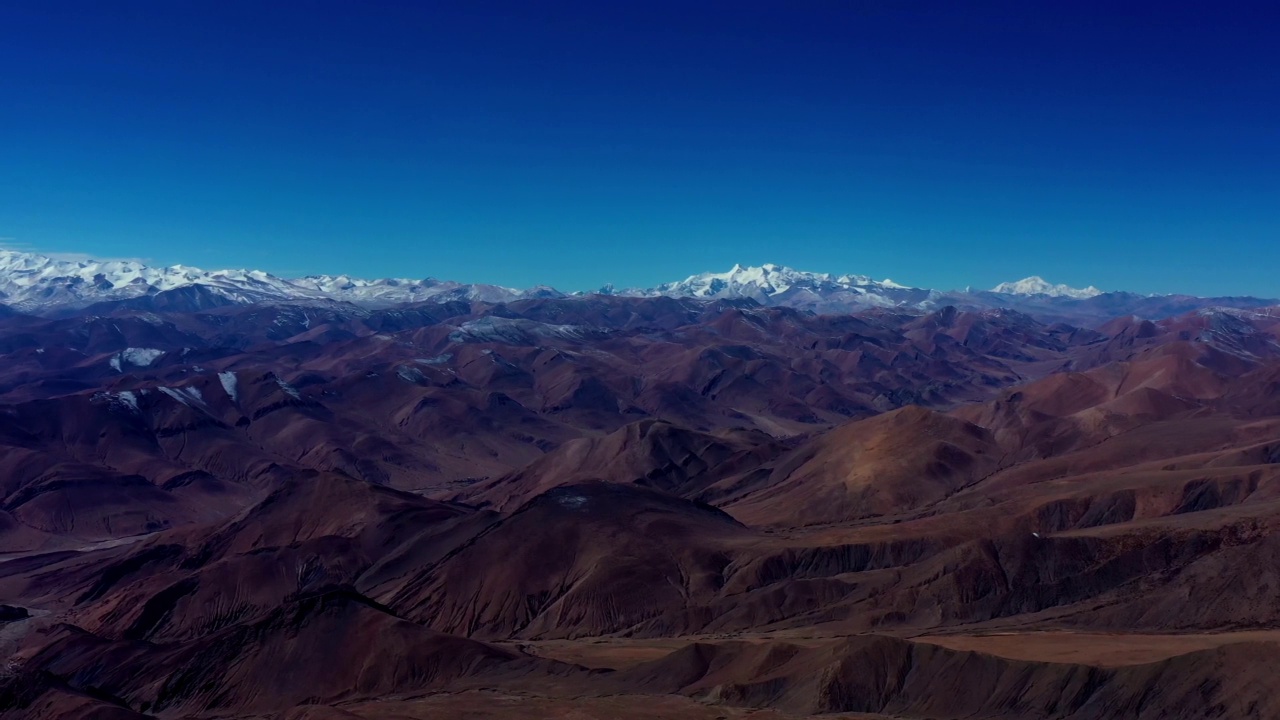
140 357
517 331
128 398
125 400
230 385
176 395
289 390
573 502
410 374
1238 313
189 396
437 360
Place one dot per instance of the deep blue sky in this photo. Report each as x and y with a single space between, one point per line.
1127 145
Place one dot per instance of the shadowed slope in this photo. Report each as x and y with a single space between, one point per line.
650 453
590 558
324 647
905 679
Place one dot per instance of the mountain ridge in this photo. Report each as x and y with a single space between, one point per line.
31 282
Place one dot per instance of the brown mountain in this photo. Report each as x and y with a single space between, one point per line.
620 507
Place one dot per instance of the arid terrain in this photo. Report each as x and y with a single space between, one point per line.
636 507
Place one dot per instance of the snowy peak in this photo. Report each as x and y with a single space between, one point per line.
30 281
762 283
1036 285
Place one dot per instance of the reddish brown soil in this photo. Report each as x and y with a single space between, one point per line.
600 508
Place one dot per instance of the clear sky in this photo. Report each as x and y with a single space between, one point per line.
942 144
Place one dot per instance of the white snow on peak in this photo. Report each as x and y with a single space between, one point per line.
1036 285
29 281
768 281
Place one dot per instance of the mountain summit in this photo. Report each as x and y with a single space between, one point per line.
1036 285
764 282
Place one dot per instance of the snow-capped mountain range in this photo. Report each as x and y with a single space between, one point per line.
31 282
38 284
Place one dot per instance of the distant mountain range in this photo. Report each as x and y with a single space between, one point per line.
235 495
39 284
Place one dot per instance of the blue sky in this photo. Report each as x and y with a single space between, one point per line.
1126 145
